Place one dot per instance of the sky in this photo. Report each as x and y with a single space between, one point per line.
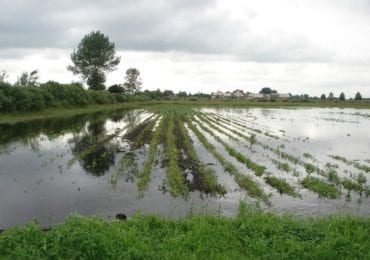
293 46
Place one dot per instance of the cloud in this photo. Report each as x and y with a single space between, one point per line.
311 46
199 27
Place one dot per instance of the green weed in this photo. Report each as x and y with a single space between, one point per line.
320 187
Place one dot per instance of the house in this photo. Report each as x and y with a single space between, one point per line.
227 94
238 93
217 94
260 96
284 96
273 96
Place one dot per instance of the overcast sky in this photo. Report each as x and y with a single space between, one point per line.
296 46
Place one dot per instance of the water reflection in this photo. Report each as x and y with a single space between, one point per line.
94 149
25 131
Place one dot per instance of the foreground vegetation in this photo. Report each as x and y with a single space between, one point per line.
252 234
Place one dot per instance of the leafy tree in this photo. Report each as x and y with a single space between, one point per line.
3 76
94 57
133 81
342 96
28 79
331 96
267 91
182 94
358 96
116 89
323 96
168 93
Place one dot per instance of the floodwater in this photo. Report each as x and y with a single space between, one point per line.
52 168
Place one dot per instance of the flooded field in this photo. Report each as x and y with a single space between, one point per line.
177 161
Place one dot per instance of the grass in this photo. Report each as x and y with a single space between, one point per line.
175 176
252 139
144 174
244 181
282 166
320 187
252 234
64 112
353 163
281 185
206 175
309 168
333 176
351 185
258 169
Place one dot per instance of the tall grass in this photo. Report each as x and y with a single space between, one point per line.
281 185
253 234
320 187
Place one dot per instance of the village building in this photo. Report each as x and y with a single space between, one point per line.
238 93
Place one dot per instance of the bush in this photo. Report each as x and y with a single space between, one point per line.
120 98
52 94
66 95
6 98
100 97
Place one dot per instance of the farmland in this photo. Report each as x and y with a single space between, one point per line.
174 159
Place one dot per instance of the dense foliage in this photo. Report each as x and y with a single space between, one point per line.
51 94
94 57
253 234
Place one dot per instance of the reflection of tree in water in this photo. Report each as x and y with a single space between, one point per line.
94 150
132 119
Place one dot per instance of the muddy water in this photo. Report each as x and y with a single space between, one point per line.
51 168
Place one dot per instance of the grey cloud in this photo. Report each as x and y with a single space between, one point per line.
162 26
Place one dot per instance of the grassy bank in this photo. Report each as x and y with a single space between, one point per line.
252 234
63 112
70 111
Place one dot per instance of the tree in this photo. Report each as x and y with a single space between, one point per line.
182 94
28 79
323 96
116 89
331 96
3 76
168 93
95 56
267 91
358 96
133 81
342 96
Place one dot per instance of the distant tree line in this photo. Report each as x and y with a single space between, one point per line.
331 96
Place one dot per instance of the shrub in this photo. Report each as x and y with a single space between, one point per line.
100 97
66 95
